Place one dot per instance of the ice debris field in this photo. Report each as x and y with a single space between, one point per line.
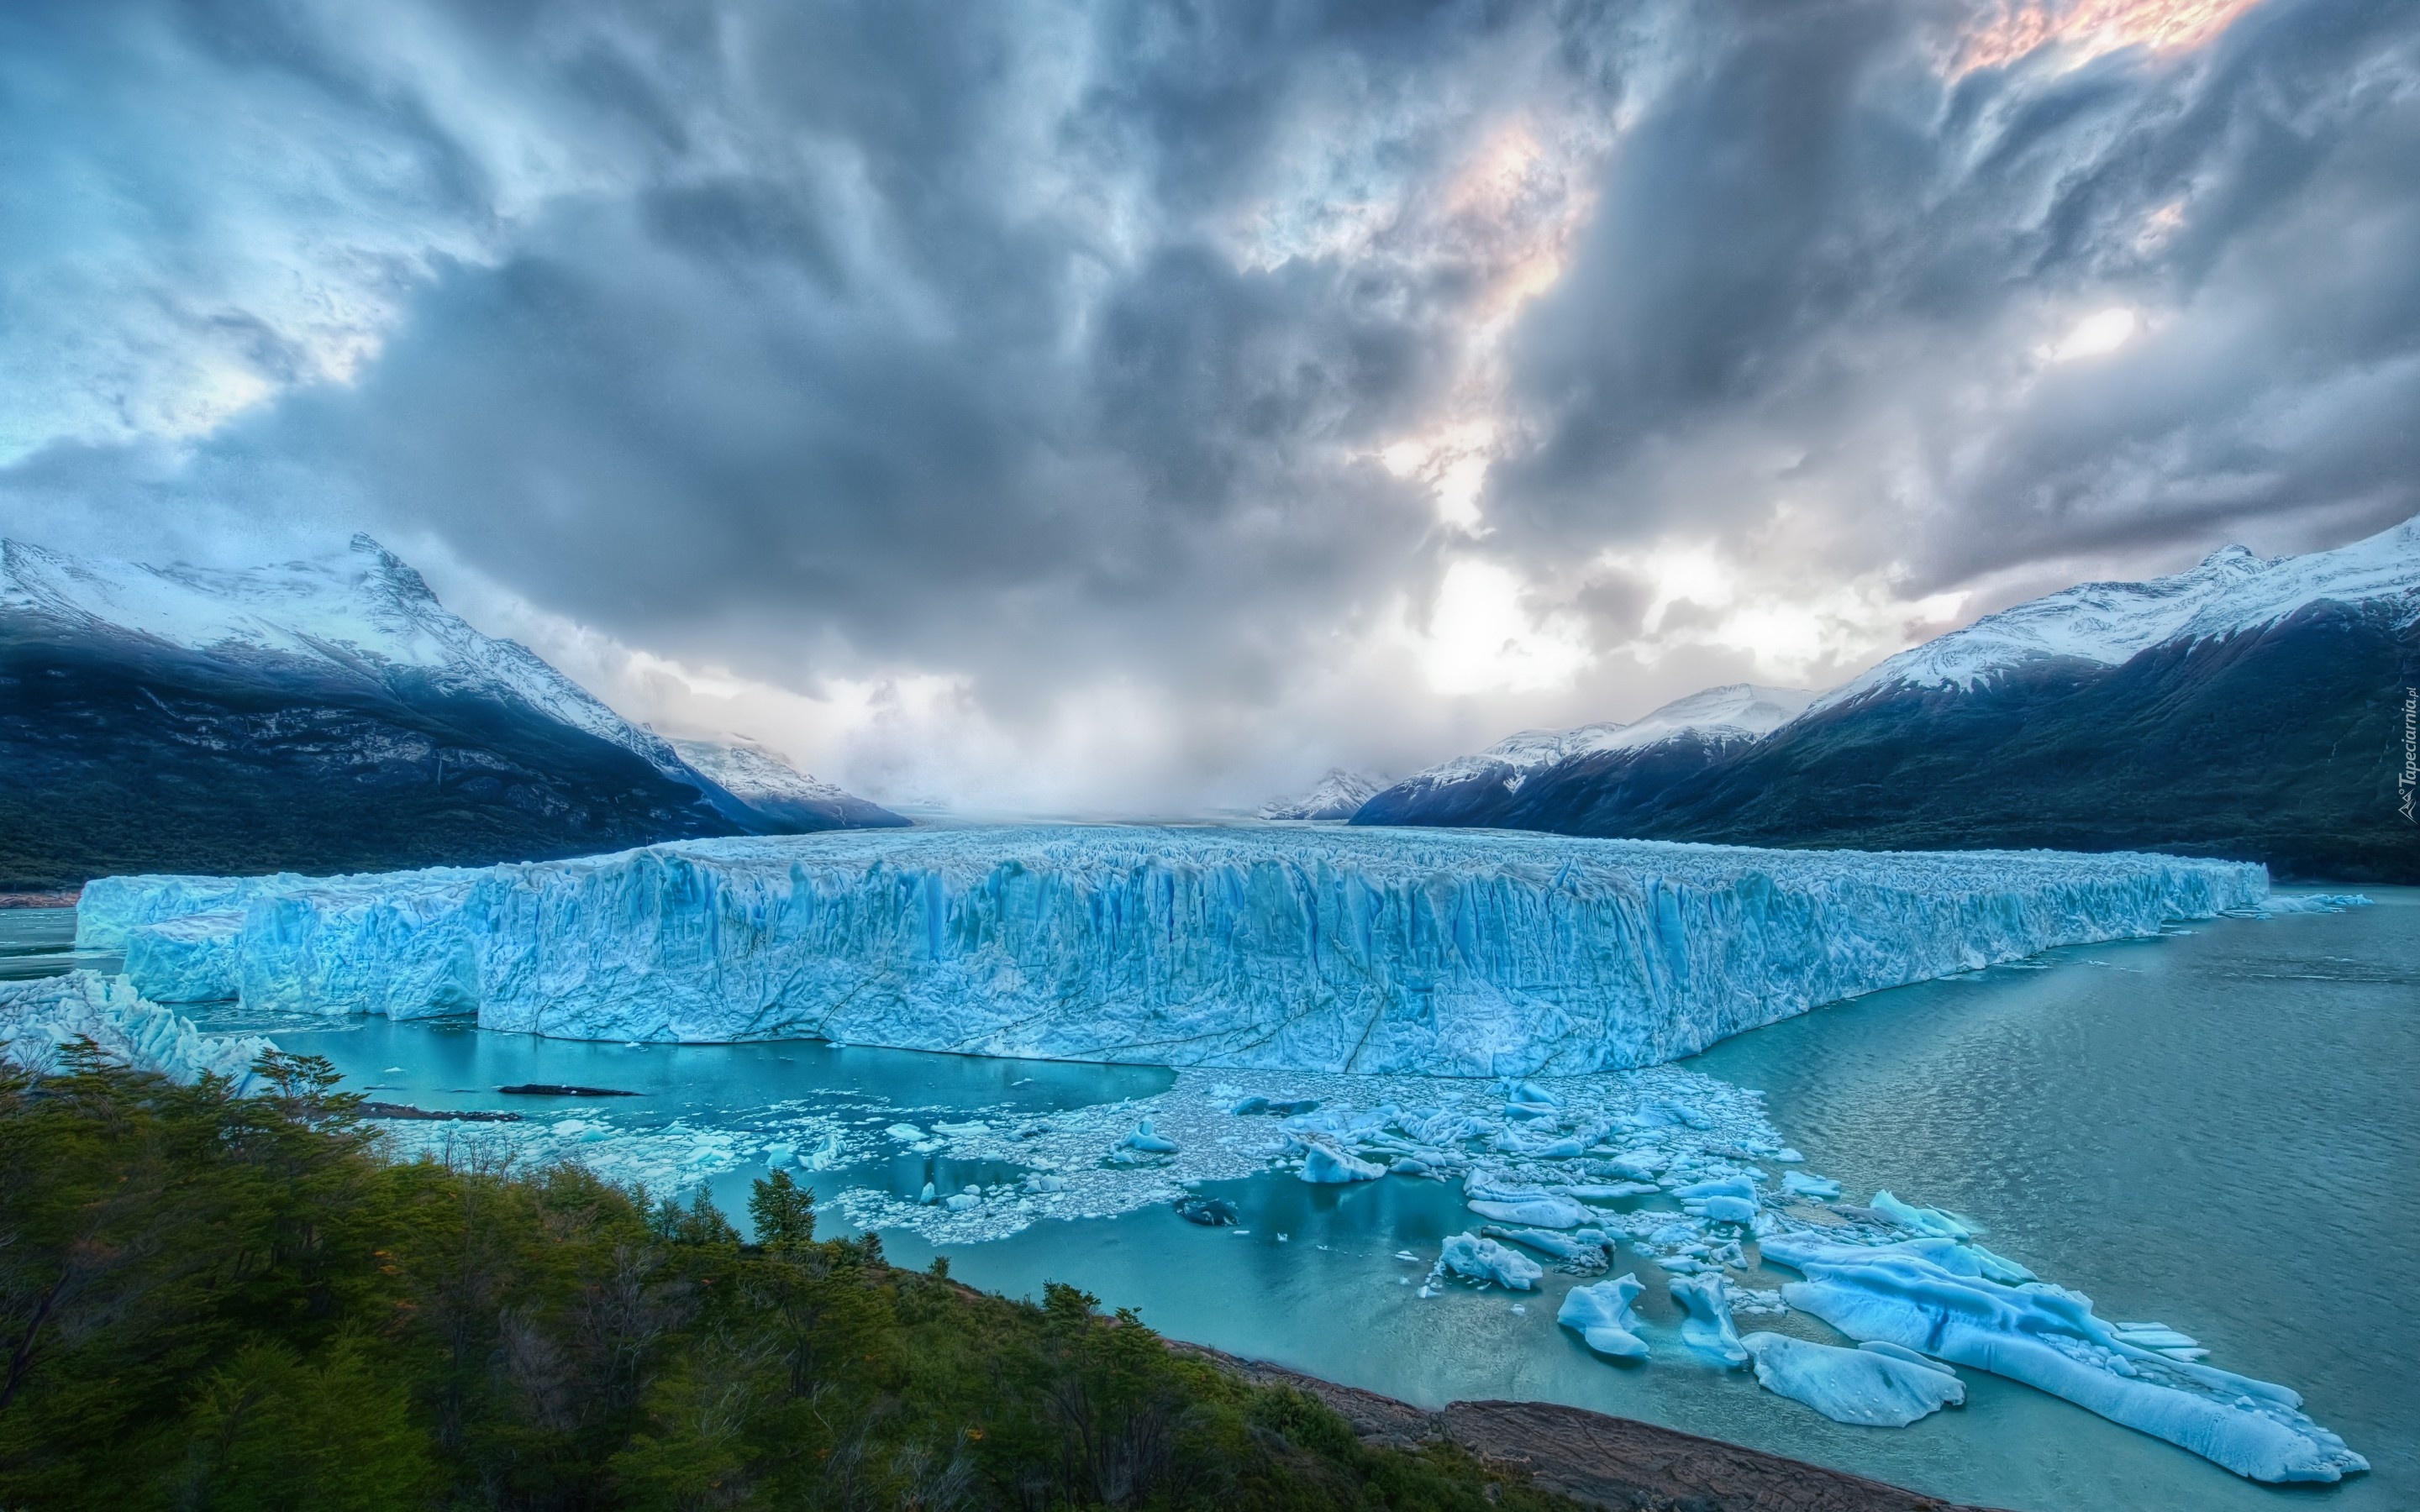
1366 950
1299 980
1660 1170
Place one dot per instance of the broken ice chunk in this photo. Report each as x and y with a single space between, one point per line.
1210 1213
1610 1192
2048 1339
1601 1316
2153 1336
1799 1250
1800 1184
1852 1385
1708 1328
906 1132
1325 1166
1145 1141
1722 1210
1541 1209
1572 1253
1484 1259
1930 1221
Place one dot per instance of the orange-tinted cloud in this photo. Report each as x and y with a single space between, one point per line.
2092 28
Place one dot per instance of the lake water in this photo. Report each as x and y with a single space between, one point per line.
2215 1129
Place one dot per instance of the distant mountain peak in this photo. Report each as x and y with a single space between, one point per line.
1338 794
2232 589
1730 711
765 780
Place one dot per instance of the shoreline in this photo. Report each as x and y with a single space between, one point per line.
40 899
1602 1460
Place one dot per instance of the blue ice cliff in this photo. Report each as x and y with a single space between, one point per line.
1368 950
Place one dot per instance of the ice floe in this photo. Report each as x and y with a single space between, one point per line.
1860 1385
2047 1337
1475 1258
1708 1327
1600 1315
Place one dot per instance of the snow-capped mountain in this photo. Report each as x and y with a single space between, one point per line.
763 779
2249 708
316 715
362 613
2231 592
1338 794
1480 789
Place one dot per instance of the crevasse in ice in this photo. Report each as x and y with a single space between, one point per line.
1437 952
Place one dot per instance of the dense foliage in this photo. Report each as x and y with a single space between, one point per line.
210 1301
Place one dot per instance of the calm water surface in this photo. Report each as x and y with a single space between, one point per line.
2218 1130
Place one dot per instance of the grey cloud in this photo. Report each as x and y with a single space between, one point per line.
1819 240
1049 343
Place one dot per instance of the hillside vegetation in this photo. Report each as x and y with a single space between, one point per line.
221 1301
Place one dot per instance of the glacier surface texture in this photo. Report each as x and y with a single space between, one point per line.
1440 953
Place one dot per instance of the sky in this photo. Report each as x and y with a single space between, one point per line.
1099 407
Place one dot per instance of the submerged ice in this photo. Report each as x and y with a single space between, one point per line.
1350 949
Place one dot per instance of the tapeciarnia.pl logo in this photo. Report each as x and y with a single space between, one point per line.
2406 782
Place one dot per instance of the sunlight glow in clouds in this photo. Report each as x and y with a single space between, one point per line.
2090 28
2096 335
1506 220
1482 636
1703 597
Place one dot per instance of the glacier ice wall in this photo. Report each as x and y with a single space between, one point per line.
1443 954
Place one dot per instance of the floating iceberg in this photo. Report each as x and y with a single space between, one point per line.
1708 1328
39 1018
1147 1140
1601 1316
1368 949
1586 1252
1325 1166
2047 1337
1872 1387
1919 1220
1543 1211
1484 1259
1802 1184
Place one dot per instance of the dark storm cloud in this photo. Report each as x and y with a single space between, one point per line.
1819 233
1053 342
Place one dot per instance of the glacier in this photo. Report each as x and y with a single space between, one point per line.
40 1018
1367 951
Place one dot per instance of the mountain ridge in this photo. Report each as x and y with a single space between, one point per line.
2247 708
325 714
